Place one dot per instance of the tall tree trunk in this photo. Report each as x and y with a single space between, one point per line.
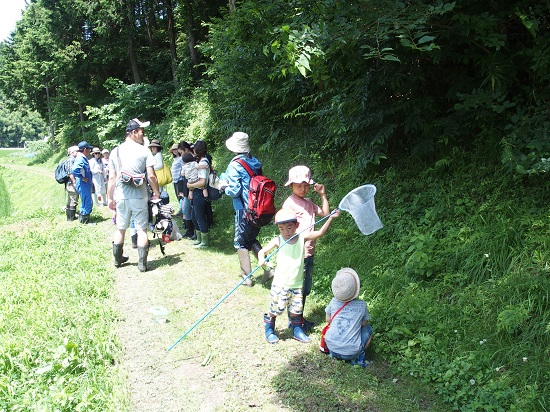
232 5
192 42
172 39
130 24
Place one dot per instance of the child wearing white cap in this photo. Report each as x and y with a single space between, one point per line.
286 289
349 334
300 181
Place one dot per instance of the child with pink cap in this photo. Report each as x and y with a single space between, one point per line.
300 181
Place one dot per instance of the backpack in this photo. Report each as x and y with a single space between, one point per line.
62 172
261 197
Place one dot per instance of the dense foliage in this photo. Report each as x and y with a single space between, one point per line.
459 89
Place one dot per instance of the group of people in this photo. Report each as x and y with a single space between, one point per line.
131 171
87 180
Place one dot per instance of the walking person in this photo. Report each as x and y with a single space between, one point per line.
70 185
236 185
83 177
131 164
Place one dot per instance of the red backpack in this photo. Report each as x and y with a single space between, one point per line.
261 197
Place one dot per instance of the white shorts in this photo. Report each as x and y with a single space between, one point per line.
129 209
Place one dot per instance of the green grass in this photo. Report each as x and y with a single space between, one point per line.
57 312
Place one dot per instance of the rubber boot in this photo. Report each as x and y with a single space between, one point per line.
244 260
142 258
119 257
199 239
189 229
68 213
84 219
270 328
72 214
268 272
297 331
134 241
204 241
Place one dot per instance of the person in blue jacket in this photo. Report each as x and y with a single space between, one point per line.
236 184
83 175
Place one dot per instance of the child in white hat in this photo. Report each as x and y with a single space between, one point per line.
349 334
286 289
300 181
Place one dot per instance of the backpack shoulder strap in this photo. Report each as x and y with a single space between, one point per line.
246 167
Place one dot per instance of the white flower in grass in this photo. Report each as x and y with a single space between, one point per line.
481 342
525 359
486 255
472 381
456 330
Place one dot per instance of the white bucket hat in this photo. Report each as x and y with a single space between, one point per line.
238 143
346 285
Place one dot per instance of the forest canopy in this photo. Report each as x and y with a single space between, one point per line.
373 78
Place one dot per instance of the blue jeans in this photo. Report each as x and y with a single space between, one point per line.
366 333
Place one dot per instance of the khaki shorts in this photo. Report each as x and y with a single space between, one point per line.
129 209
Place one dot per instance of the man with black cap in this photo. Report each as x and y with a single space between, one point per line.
83 175
131 165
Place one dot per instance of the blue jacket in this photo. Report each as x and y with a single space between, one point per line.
238 180
81 168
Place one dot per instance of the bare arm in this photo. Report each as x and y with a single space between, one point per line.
273 243
324 210
151 175
199 183
316 234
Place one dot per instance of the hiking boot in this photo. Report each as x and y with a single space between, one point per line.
117 253
270 329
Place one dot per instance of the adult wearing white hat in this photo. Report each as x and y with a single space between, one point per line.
236 184
349 334
70 185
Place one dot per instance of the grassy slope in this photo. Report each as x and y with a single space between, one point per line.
56 299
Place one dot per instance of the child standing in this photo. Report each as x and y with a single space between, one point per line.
286 289
299 180
349 335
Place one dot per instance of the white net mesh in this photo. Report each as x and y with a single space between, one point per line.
360 204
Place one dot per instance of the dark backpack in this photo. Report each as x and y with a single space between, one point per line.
62 172
261 197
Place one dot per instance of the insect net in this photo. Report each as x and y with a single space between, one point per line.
360 204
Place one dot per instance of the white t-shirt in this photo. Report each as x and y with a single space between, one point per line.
134 159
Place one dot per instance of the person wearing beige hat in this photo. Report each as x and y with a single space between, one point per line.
236 182
300 181
349 334
156 149
72 194
98 178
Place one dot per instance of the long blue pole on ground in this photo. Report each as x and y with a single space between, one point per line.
239 284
